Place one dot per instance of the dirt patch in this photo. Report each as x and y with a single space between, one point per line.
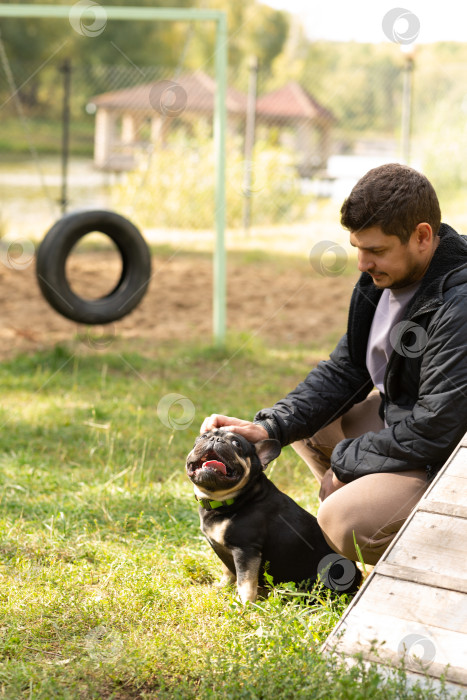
283 304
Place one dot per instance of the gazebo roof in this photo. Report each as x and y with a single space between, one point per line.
292 101
197 92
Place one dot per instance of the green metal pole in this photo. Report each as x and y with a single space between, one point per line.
219 288
180 15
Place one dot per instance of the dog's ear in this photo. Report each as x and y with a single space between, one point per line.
267 450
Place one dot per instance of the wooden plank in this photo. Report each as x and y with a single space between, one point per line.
426 578
435 543
405 600
457 674
432 506
458 464
450 489
432 685
447 467
386 638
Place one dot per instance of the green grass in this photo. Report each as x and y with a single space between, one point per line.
105 578
45 135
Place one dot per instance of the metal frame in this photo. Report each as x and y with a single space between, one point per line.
180 15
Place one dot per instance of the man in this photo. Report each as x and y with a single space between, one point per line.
374 450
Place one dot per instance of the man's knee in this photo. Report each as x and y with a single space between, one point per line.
351 540
370 511
338 526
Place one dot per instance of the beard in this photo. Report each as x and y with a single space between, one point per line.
413 271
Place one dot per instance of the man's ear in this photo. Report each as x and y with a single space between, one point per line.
267 450
424 236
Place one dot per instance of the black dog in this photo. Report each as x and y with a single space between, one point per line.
250 524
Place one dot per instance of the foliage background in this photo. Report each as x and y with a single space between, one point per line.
360 83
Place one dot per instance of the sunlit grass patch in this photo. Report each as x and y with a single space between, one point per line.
106 582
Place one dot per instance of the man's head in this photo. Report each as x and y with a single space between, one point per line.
393 216
394 197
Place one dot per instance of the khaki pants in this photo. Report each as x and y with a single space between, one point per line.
374 506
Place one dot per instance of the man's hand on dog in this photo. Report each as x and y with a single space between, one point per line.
251 431
329 484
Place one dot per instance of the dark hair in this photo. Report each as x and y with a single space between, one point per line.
394 197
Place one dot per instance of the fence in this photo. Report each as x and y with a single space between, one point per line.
140 137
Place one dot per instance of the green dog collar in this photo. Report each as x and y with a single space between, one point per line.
212 505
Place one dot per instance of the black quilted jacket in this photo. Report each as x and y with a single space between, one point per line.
425 386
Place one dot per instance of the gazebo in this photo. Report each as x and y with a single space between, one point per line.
305 124
130 118
134 117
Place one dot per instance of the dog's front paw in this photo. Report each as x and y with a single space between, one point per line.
247 591
228 579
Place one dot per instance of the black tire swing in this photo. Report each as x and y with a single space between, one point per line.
57 246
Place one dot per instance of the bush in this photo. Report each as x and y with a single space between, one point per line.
175 186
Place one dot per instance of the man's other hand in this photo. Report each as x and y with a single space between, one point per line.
329 484
251 431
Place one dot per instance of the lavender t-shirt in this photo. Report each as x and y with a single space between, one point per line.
390 310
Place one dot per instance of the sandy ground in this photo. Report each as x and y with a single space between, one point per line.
283 304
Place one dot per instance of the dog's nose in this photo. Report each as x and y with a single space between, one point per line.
214 441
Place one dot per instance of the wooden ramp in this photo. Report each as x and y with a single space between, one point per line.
414 603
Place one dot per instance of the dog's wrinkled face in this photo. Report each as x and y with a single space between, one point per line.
224 461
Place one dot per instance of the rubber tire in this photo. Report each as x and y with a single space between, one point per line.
55 249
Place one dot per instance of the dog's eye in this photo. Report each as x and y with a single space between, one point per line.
236 443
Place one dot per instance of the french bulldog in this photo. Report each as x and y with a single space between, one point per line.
252 526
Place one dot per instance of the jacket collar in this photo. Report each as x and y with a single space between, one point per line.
450 255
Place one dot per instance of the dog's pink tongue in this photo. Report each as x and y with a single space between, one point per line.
214 464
